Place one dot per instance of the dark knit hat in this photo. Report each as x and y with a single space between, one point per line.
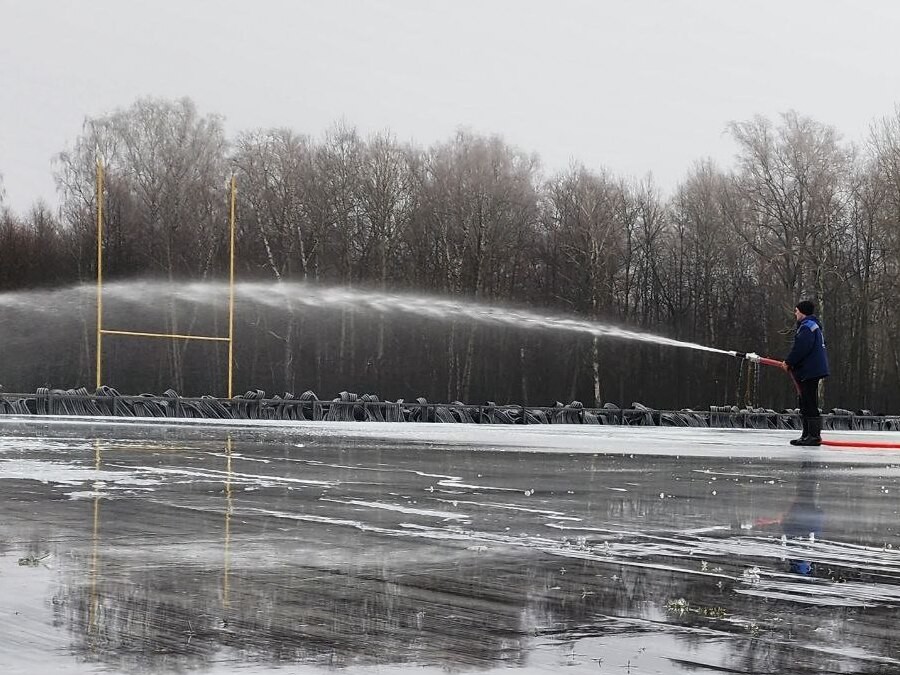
806 307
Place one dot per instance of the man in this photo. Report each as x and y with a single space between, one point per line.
807 364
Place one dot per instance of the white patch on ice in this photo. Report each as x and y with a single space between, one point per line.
710 472
237 455
512 507
60 473
221 476
32 443
85 494
446 515
453 483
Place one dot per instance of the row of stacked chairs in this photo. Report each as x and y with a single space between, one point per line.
350 407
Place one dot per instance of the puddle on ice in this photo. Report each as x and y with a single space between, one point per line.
341 550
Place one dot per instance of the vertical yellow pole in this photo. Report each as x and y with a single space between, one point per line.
231 292
99 272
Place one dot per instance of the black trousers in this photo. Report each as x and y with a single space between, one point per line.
809 397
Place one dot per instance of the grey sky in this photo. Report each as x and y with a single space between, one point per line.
634 86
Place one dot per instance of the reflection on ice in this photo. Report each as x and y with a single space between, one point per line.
204 548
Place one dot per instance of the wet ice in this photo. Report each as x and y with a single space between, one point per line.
386 547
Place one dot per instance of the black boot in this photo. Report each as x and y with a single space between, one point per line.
814 425
804 435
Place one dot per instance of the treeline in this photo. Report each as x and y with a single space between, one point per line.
720 261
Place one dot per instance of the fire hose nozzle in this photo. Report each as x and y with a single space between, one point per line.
749 356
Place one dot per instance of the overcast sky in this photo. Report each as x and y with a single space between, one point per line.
635 86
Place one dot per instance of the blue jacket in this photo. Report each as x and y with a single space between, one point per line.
808 358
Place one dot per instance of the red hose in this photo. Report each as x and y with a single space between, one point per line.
780 364
771 362
862 444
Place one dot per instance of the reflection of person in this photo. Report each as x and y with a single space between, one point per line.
804 518
808 364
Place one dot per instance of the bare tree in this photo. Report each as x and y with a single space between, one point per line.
276 174
791 177
166 174
584 214
884 206
388 195
338 160
480 193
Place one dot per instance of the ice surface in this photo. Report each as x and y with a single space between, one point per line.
310 547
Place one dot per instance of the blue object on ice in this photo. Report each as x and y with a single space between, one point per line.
801 567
